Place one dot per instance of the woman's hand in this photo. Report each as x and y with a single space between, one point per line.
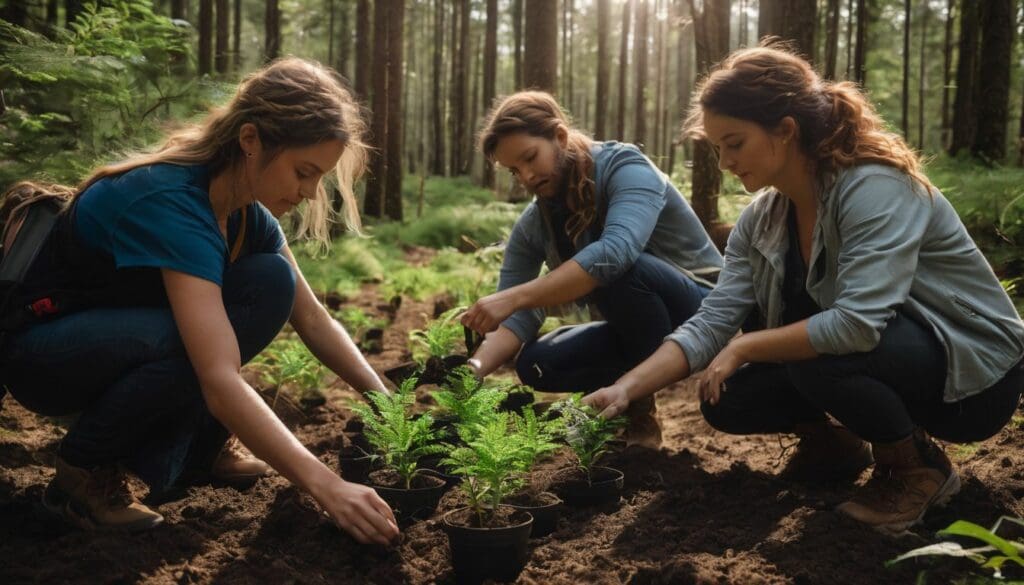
610 401
488 313
711 382
358 510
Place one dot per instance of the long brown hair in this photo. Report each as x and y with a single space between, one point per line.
536 113
839 128
293 103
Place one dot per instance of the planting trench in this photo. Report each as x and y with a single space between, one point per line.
706 508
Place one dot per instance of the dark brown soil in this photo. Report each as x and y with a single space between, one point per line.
706 508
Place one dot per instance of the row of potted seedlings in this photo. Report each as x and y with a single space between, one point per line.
471 441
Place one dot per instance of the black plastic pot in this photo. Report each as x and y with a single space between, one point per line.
433 372
356 464
432 464
604 487
545 507
487 553
516 401
419 502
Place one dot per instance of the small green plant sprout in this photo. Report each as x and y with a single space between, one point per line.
586 432
995 552
400 438
356 321
491 464
468 400
288 361
438 339
537 435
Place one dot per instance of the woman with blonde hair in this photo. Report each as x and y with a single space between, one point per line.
870 302
612 230
162 277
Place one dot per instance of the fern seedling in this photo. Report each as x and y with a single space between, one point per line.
468 400
438 339
400 438
586 432
537 436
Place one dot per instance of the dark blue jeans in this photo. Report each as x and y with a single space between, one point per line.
640 308
126 372
880 395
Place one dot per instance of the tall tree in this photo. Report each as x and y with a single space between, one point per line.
922 77
684 68
620 129
831 38
793 20
540 54
640 61
711 30
998 20
947 68
344 41
206 36
860 73
236 36
376 185
363 50
744 23
437 102
223 53
967 87
395 74
72 8
455 96
517 42
905 98
462 86
660 70
850 18
272 30
601 98
178 9
490 73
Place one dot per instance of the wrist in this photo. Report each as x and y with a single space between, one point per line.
476 366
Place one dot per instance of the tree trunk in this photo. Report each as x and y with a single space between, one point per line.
850 17
236 37
711 27
793 20
831 39
462 115
860 56
540 51
395 33
330 32
684 85
966 79
600 103
206 35
178 9
998 19
660 115
905 97
364 47
947 69
744 24
454 109
1020 135
437 156
564 70
72 8
517 42
222 55
490 74
922 78
620 131
640 60
344 40
376 183
52 8
272 30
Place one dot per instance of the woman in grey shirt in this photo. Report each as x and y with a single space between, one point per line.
612 230
861 295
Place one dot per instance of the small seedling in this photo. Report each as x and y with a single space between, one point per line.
995 552
357 322
400 438
586 432
289 361
468 400
537 435
438 339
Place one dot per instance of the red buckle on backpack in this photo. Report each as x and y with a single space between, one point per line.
44 306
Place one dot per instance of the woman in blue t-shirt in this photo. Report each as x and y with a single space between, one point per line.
613 230
180 274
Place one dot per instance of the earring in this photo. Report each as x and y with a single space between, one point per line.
248 154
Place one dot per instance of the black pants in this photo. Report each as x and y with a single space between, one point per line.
880 395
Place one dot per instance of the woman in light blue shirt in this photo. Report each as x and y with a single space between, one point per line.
862 297
612 230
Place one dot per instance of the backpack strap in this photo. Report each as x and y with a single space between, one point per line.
236 248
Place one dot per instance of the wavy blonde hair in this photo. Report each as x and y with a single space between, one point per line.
839 128
537 113
293 103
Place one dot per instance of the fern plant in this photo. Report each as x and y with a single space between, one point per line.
357 322
400 438
438 339
586 432
537 436
468 400
289 361
492 464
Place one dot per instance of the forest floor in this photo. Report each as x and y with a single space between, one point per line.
705 508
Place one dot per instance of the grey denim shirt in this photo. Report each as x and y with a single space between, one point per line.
643 211
880 243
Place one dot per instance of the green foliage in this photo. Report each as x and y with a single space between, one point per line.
357 322
350 262
993 554
400 438
586 432
466 226
468 400
438 339
491 464
288 361
465 276
92 91
537 436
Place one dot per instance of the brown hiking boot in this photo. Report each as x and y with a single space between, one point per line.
910 476
643 429
236 467
827 452
97 499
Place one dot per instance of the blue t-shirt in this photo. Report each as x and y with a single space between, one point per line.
160 216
